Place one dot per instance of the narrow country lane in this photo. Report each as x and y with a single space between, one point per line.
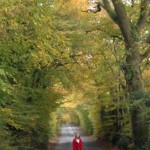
67 135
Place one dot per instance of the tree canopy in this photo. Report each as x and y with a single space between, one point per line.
61 63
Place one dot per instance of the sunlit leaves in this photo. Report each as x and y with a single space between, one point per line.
29 51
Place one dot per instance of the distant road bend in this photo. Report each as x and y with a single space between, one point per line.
67 135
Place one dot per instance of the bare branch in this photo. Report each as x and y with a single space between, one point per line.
116 36
143 14
99 29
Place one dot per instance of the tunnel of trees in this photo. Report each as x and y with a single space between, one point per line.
62 63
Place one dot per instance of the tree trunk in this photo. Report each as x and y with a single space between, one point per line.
136 91
131 68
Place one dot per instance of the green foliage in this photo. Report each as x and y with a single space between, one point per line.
30 49
39 67
94 115
147 144
85 122
54 123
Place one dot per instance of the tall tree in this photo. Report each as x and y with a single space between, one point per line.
131 31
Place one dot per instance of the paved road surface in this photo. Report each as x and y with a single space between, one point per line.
67 135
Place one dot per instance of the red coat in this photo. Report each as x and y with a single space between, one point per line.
76 145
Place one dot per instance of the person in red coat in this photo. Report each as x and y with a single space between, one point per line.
77 142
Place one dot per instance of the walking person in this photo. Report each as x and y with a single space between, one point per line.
77 142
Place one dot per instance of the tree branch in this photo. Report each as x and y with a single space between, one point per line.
123 22
99 29
143 13
106 5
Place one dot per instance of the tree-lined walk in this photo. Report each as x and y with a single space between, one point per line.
67 135
79 62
